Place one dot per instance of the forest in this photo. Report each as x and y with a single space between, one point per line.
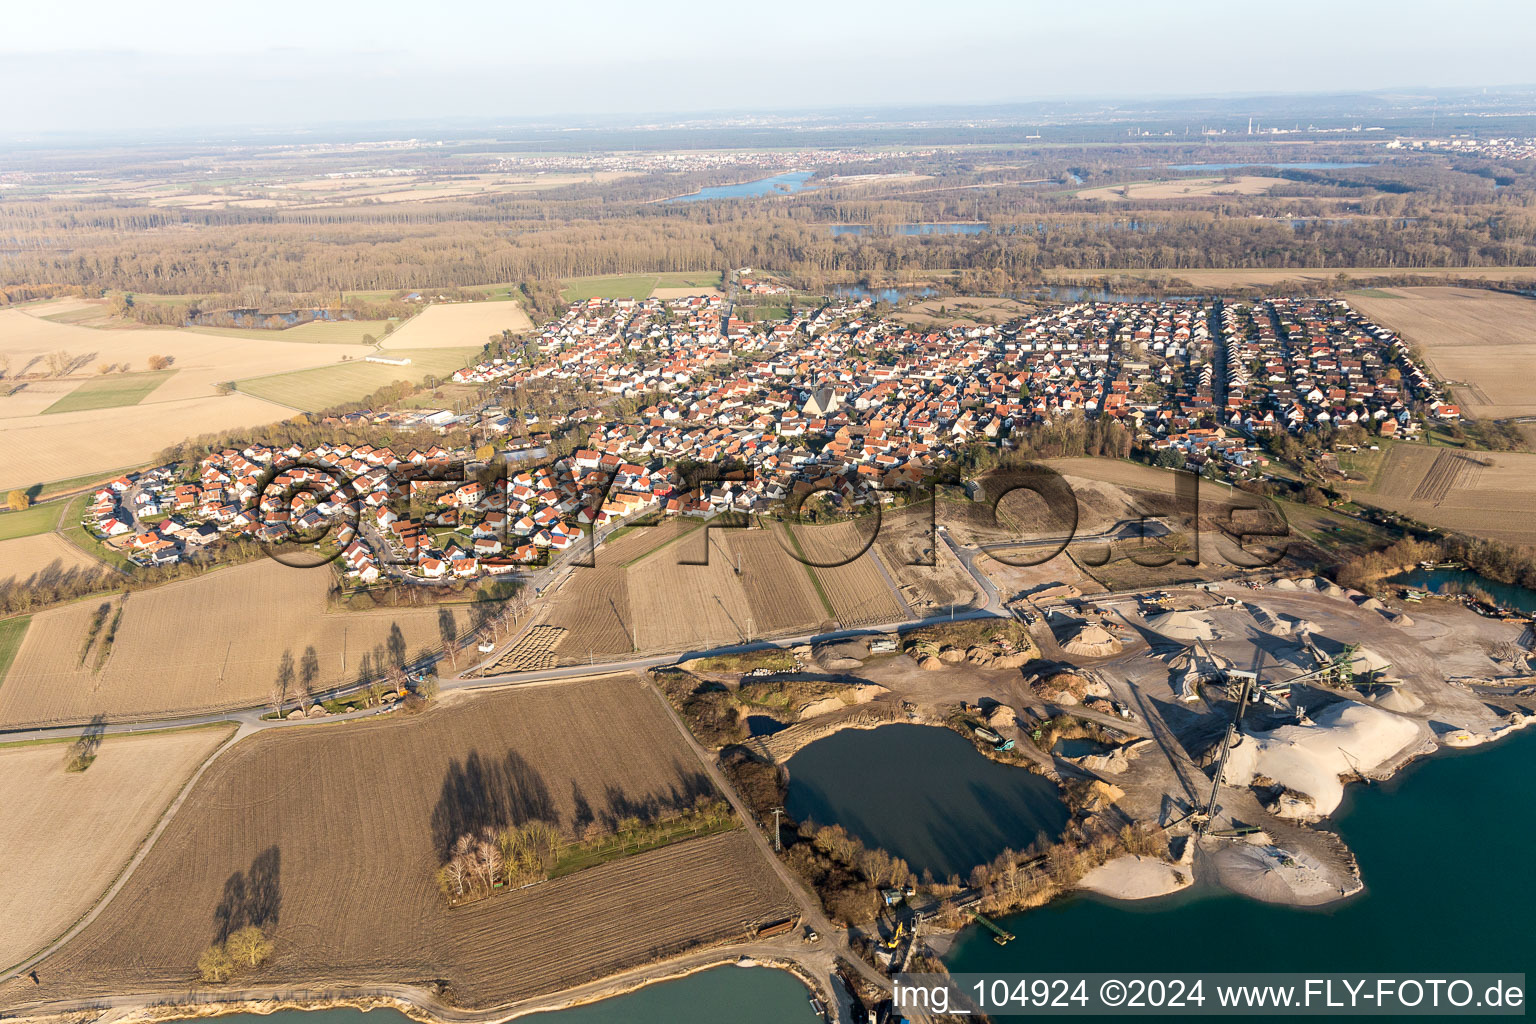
1402 211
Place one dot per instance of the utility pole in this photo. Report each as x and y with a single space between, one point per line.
778 846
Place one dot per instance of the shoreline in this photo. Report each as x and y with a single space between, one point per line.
413 1001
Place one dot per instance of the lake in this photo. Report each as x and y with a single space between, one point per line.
794 181
857 292
741 995
1438 581
1442 848
1283 167
922 793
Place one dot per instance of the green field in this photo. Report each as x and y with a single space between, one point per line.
11 633
87 541
37 519
634 286
110 392
76 316
325 332
326 386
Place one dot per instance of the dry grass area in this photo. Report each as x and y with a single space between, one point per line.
683 293
34 448
458 325
926 571
859 591
43 554
1486 494
1184 188
1484 341
1260 277
336 833
963 309
68 834
216 641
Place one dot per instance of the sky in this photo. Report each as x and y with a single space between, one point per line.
84 66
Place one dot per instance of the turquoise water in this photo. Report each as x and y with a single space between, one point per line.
922 793
1437 580
1287 167
1443 849
794 181
735 994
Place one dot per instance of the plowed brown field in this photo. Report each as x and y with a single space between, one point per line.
68 834
859 591
330 837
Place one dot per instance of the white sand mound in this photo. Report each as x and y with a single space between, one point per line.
1093 641
1266 872
1181 626
1399 700
1367 660
1135 878
1309 583
1343 738
1285 584
1373 604
1398 618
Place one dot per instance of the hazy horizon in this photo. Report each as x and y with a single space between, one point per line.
90 67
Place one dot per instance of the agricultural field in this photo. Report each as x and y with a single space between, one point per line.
643 596
1486 494
316 332
35 448
1324 278
1183 188
962 309
337 833
639 286
207 643
12 630
1482 341
68 834
29 522
458 325
778 589
926 571
326 386
42 554
679 606
110 392
860 592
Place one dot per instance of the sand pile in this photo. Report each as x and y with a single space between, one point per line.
1269 621
1373 604
1193 666
1093 641
1367 660
1397 618
1345 738
1397 699
1181 626
1308 583
1285 584
1135 878
1067 688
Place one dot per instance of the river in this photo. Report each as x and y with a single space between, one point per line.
1442 848
779 184
924 794
1282 167
739 995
